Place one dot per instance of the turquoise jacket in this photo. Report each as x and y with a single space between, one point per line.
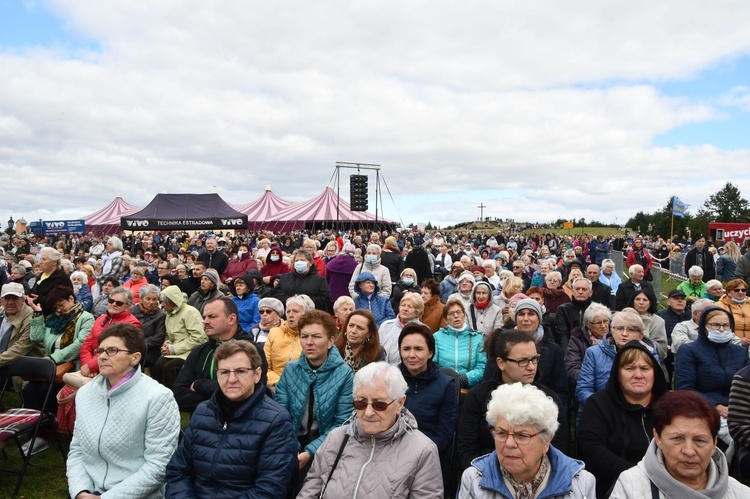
334 382
462 351
42 334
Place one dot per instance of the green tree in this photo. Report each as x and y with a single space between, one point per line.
726 205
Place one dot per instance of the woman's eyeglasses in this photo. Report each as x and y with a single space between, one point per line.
240 372
524 362
603 322
377 405
520 438
718 325
625 329
455 313
740 290
265 311
116 302
111 351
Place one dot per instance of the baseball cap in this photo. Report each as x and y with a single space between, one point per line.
12 288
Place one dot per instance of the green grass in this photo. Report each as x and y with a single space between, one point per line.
46 481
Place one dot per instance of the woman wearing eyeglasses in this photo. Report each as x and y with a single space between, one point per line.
523 463
627 326
127 424
515 354
380 453
735 300
617 423
458 347
708 364
596 320
239 443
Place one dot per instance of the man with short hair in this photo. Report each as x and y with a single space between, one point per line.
675 312
163 267
15 328
197 379
213 258
569 315
601 293
192 282
631 287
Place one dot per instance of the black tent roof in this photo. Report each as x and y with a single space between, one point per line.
185 212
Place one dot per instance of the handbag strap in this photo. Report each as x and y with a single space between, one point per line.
335 463
654 490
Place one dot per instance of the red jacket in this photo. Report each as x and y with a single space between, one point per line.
238 267
92 340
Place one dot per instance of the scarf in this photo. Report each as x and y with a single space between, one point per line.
146 312
481 305
65 325
107 261
527 490
354 362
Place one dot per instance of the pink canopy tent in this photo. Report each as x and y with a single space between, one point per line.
262 209
107 220
321 211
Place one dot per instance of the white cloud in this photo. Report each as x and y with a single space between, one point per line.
556 103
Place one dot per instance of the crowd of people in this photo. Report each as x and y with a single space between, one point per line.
384 364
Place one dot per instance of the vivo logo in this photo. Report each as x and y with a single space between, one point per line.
137 223
55 225
231 221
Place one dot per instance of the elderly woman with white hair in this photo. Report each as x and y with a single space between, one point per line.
608 275
524 464
81 289
52 276
380 453
714 290
694 288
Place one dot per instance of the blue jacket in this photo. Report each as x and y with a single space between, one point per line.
252 454
462 351
334 382
432 398
248 307
597 363
708 367
568 478
84 296
448 286
379 305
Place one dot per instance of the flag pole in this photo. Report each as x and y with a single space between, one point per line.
671 229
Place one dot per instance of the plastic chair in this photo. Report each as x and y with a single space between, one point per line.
16 423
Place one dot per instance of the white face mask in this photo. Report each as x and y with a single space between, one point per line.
240 253
274 258
716 336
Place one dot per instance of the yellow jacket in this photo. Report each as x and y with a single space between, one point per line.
282 346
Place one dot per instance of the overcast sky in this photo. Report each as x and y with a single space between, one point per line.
538 110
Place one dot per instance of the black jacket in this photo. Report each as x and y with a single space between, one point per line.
42 289
602 294
310 284
626 291
568 316
199 370
613 435
691 259
219 260
394 262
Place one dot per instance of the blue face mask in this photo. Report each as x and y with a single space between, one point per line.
716 336
371 258
300 266
408 281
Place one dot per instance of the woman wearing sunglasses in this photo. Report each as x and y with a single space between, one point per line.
735 300
380 454
515 354
127 425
